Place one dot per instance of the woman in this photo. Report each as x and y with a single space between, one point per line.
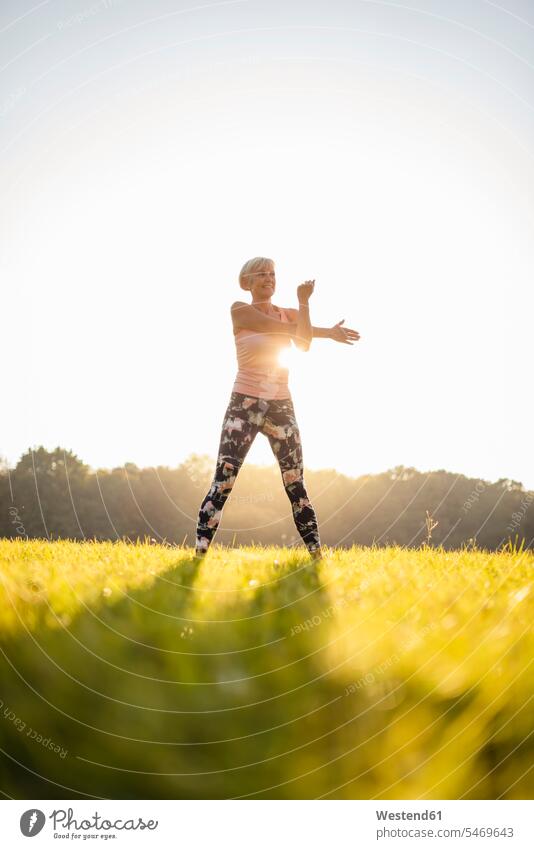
261 401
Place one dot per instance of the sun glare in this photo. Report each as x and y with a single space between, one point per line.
286 357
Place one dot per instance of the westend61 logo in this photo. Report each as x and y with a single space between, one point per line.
32 821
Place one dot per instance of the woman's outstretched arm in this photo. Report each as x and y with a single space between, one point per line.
248 317
245 316
337 333
322 332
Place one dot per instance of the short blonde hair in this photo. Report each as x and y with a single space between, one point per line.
250 267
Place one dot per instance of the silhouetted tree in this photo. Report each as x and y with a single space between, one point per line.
54 494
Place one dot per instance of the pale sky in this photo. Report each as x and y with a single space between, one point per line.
385 149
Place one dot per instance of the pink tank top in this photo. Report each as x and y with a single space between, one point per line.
260 373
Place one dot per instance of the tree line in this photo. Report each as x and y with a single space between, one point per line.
54 495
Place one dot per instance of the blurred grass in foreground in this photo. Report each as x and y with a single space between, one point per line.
131 671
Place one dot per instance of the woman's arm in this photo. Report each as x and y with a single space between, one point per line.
317 332
337 333
245 316
248 317
304 333
322 332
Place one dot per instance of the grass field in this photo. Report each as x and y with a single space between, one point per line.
132 671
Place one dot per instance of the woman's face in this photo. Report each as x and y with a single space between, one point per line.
263 283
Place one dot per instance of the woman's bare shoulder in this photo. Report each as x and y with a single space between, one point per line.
235 309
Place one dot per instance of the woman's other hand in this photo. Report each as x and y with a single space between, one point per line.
343 334
305 291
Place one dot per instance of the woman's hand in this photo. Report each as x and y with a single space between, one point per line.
343 334
305 291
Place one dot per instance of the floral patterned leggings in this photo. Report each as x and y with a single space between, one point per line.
244 418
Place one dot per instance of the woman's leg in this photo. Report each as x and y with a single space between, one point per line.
241 423
281 428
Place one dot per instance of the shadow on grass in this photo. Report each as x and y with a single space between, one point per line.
176 677
218 681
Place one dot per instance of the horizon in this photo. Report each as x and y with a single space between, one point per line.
273 464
